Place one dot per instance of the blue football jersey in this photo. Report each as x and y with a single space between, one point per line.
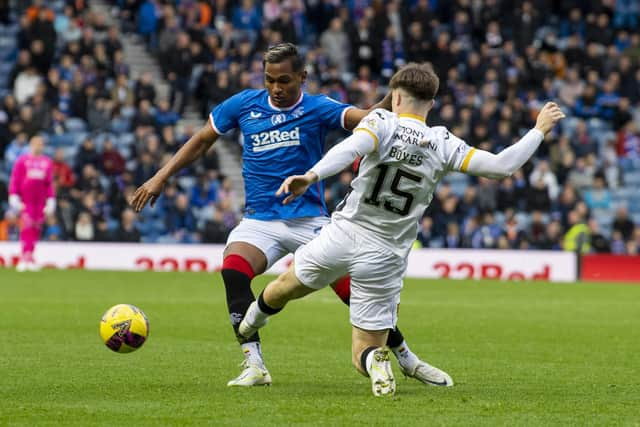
278 142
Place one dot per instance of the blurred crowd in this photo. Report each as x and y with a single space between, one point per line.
498 61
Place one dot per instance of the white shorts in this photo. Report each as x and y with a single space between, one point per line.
376 273
277 238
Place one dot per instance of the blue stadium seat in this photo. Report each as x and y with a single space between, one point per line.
75 124
631 178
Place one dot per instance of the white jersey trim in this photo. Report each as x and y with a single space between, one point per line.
213 125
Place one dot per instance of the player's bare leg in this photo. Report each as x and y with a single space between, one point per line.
371 359
242 261
410 364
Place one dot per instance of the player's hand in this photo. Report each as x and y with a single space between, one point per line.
49 207
548 117
149 191
295 186
15 203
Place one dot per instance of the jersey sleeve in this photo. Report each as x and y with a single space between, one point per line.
375 124
457 153
17 176
224 116
333 112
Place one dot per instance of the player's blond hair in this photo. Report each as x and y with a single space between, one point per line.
418 80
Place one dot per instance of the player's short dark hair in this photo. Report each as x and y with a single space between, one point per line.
419 80
281 52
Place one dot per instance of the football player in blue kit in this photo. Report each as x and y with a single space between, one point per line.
283 131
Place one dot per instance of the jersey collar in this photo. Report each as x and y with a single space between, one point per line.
295 104
412 116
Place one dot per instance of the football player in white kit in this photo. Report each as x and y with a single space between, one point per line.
370 235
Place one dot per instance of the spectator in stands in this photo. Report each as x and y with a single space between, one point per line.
165 116
205 192
542 172
127 231
581 176
22 63
99 115
623 224
101 231
452 239
148 22
246 17
179 67
425 234
181 221
144 88
10 227
618 245
111 161
597 196
52 230
335 44
578 237
538 196
26 84
17 147
62 173
599 242
84 228
86 155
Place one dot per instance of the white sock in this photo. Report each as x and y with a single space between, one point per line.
406 358
255 315
252 352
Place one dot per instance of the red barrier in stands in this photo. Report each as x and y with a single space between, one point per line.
618 268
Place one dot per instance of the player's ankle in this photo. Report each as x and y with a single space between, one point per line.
406 358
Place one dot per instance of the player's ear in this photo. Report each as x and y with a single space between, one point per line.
396 97
303 76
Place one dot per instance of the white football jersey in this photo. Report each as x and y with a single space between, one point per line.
395 183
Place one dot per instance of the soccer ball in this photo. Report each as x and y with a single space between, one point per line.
124 328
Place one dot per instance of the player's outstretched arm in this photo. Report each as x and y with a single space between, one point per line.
509 160
353 116
336 159
193 149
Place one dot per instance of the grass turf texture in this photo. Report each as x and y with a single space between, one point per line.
520 354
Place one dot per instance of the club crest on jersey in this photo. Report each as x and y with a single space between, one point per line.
298 112
276 119
371 123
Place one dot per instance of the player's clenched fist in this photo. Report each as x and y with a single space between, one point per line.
149 191
548 117
295 186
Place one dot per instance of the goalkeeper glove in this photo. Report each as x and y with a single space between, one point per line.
50 206
15 203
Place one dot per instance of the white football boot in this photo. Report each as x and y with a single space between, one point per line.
22 266
382 381
252 374
32 266
428 374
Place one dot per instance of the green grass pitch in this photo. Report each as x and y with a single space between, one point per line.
520 354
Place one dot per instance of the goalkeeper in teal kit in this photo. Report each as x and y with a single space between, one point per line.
283 132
